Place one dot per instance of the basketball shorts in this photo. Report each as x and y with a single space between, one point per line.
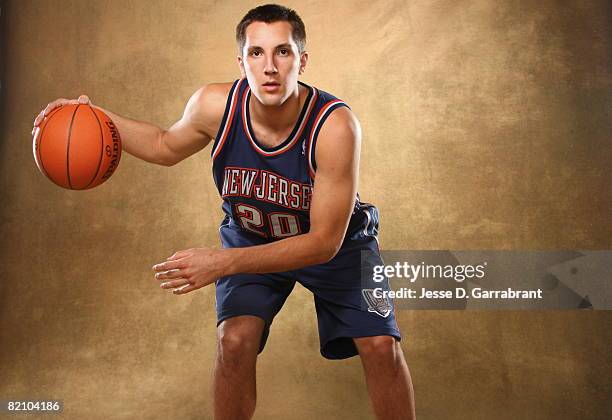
342 312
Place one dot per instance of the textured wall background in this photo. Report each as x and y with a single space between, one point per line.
490 120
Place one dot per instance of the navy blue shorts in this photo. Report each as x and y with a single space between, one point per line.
342 313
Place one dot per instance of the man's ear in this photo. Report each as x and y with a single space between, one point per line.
303 61
241 65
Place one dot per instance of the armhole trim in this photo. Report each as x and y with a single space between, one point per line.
228 117
314 132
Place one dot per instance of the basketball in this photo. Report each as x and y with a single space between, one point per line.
77 147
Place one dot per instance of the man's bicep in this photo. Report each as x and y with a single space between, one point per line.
197 126
335 187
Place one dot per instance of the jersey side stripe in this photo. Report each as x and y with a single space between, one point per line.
325 110
294 139
228 121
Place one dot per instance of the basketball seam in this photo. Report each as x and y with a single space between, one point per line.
40 155
101 151
68 146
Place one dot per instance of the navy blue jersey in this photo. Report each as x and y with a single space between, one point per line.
267 191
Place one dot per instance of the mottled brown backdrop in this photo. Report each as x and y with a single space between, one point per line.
486 126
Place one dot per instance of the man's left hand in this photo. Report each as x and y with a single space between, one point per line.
191 269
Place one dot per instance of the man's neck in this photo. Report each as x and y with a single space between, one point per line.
277 118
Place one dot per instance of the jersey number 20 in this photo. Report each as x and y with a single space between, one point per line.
282 225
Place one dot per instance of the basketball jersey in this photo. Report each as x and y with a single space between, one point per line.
267 191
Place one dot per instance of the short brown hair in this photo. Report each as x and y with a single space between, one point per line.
269 13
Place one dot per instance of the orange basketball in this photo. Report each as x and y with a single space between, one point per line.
77 147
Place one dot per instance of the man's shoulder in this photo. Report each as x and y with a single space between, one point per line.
341 122
207 104
213 94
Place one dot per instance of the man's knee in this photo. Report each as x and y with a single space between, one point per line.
378 347
239 337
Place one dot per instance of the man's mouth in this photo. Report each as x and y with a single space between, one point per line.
271 87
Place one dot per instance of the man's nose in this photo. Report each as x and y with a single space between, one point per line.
270 67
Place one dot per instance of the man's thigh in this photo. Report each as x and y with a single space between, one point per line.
343 313
252 295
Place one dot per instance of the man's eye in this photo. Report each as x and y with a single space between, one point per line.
255 53
283 51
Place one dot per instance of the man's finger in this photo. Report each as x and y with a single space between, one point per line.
38 118
169 265
177 255
50 107
174 284
170 274
185 289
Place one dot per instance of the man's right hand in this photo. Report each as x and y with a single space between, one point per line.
83 99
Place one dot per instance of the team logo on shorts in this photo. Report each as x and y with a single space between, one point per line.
379 305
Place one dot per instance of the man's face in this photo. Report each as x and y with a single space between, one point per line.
271 62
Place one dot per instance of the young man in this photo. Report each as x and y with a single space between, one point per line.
285 161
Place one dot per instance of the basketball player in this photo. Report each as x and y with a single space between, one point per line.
285 161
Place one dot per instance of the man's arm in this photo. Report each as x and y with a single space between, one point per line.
333 198
151 143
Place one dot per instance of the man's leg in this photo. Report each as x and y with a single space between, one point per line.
387 377
234 393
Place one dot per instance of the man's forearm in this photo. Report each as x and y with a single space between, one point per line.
138 138
284 255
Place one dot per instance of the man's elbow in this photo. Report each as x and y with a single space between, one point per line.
328 248
164 161
164 157
330 254
167 162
